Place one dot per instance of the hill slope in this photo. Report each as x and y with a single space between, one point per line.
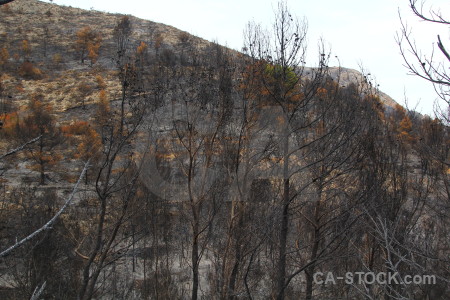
50 31
207 173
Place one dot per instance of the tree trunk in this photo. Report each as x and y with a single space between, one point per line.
238 257
284 216
283 242
195 258
310 270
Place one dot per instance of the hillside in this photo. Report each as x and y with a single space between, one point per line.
69 86
51 32
138 161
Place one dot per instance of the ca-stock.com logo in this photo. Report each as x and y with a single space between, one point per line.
368 278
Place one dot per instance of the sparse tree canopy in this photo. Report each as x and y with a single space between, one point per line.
432 67
88 43
40 122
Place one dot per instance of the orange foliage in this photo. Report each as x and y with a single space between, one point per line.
89 145
11 117
4 56
77 128
19 88
26 48
28 70
402 124
88 43
39 118
103 108
405 130
41 122
10 124
102 97
141 48
93 52
252 83
406 124
88 140
399 109
100 82
322 92
297 97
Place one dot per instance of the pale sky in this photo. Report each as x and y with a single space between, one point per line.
359 32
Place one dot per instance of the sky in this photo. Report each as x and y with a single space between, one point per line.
360 32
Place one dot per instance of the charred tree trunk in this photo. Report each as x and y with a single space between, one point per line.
284 226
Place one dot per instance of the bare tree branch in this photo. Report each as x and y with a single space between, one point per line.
442 48
427 67
21 147
38 291
434 16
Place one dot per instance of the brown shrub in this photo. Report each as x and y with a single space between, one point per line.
100 82
77 128
28 70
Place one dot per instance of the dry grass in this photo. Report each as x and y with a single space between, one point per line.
54 66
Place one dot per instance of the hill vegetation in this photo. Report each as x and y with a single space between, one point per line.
141 162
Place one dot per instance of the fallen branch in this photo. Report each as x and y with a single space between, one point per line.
37 292
21 147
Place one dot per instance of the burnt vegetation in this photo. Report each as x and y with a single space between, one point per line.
141 162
